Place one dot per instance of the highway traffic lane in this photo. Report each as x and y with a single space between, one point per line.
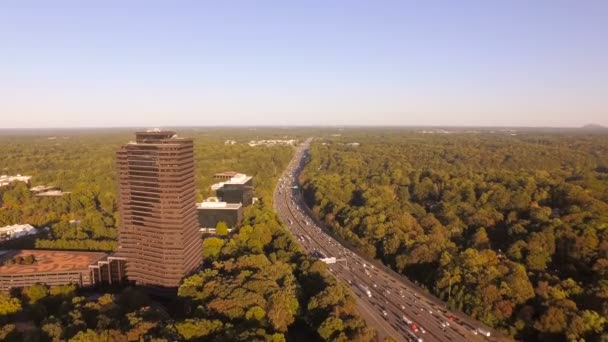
294 170
410 311
461 330
365 308
323 242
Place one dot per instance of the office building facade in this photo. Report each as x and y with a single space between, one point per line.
54 268
211 213
159 233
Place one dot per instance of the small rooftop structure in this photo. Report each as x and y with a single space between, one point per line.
156 136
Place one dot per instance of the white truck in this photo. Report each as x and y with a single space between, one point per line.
483 332
365 290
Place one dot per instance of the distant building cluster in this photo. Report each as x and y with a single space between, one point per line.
272 142
468 131
39 190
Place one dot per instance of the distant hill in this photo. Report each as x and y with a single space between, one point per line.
594 127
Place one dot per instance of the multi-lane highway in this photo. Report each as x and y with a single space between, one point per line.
387 301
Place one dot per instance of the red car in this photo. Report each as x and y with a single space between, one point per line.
414 327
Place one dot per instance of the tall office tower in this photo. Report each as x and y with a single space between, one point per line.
159 234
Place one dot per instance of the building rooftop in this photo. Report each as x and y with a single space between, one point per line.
41 188
17 228
6 180
218 205
226 174
238 178
50 261
51 193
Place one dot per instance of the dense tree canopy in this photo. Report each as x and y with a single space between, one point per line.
512 229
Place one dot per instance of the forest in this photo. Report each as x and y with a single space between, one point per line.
256 283
510 228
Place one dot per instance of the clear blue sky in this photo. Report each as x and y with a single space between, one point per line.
326 62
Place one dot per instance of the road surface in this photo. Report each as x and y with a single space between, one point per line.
388 302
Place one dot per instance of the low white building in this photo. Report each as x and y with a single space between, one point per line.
6 180
16 231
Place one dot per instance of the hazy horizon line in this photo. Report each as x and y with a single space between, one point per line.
591 125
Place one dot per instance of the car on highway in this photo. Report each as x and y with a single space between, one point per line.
406 319
365 290
414 327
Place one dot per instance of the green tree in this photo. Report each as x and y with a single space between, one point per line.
197 328
221 228
212 247
8 304
35 292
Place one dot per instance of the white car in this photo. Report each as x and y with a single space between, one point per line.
402 307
